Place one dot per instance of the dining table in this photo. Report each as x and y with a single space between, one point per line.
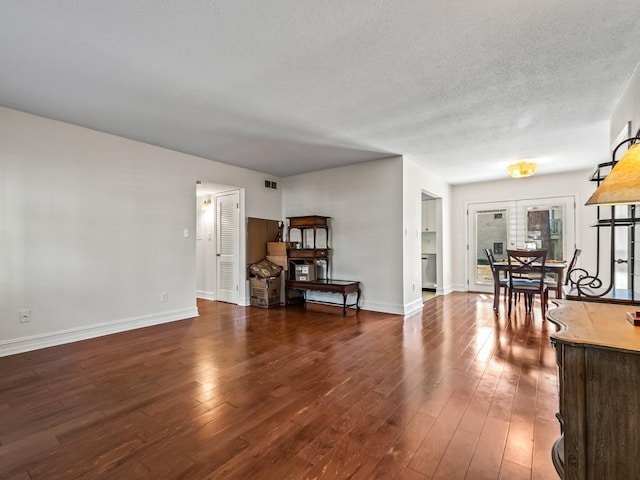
553 267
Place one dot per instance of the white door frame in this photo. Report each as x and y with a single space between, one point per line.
213 188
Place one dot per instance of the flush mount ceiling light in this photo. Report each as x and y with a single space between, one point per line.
522 169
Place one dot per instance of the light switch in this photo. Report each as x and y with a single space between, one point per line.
186 233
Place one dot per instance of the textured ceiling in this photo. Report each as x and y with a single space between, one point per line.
289 86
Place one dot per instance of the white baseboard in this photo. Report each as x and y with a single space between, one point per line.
35 342
206 295
414 306
392 308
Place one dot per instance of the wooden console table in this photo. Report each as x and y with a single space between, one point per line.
598 356
344 287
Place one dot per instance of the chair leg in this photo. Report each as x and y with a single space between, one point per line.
510 297
544 301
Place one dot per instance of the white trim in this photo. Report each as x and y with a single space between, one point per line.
206 295
244 298
35 342
459 287
445 290
414 306
394 309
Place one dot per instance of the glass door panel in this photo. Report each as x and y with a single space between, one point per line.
491 233
549 224
545 230
489 228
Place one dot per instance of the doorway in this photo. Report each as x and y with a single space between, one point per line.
431 246
220 243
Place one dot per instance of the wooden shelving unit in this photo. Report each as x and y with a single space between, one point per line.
309 251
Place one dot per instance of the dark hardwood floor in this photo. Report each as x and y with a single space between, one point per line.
247 393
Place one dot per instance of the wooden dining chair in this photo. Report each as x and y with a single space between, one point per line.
526 276
498 283
552 283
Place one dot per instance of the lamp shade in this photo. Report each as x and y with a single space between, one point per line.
522 169
622 185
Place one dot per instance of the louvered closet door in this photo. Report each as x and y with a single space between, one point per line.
228 246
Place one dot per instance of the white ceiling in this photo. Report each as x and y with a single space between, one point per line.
289 86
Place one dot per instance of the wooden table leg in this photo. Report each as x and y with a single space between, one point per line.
560 283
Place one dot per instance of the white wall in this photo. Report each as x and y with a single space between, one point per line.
92 230
415 181
364 202
539 186
375 209
628 107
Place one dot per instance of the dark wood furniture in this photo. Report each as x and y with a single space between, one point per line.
598 356
526 276
550 267
313 222
552 281
343 287
312 254
309 252
499 282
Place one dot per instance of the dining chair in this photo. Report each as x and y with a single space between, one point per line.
498 283
526 276
552 283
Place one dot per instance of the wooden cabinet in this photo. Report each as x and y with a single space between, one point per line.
598 357
429 216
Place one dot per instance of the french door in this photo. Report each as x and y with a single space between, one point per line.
547 223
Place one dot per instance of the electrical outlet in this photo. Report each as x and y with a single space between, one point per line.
164 297
25 315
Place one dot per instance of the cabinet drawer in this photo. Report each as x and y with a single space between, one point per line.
309 253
